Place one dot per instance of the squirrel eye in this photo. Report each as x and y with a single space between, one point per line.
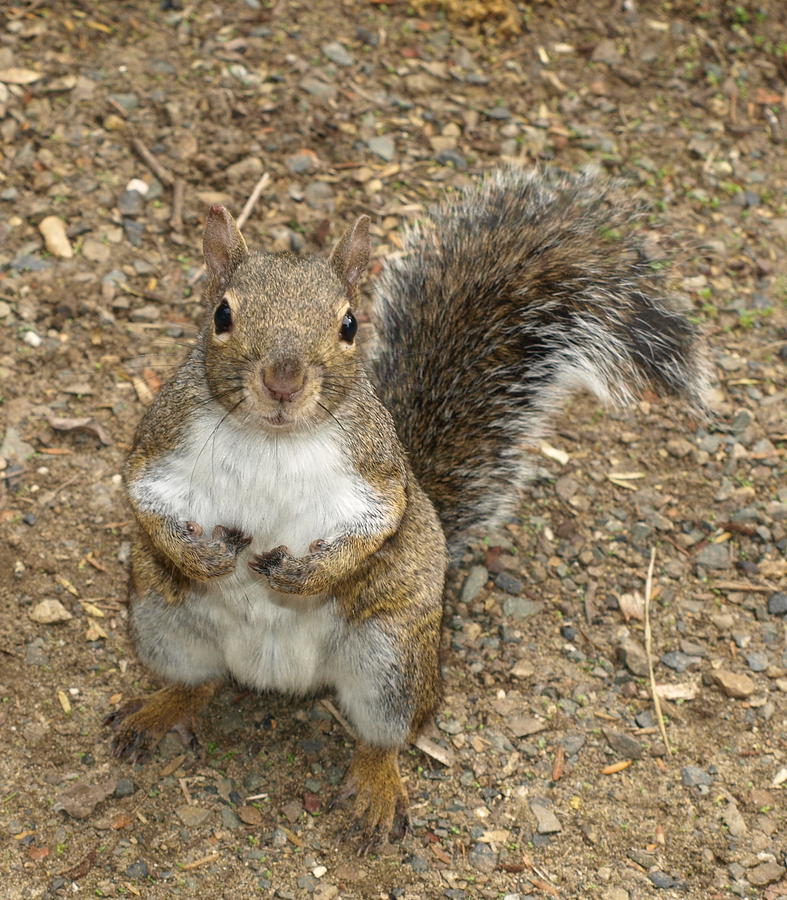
349 327
222 318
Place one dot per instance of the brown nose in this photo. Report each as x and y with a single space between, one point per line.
283 383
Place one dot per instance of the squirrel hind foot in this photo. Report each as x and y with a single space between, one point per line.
140 725
380 802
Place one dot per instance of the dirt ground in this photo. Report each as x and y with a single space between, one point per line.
549 777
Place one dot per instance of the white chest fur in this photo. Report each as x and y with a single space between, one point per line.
280 490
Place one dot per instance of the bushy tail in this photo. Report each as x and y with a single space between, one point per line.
510 298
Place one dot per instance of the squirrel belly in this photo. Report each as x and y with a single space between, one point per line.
280 490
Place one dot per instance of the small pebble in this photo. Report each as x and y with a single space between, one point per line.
777 604
138 869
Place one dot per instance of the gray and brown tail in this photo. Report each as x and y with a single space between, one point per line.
505 302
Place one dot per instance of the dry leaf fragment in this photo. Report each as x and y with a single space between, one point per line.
554 453
616 767
249 815
83 423
62 697
94 632
144 394
65 583
434 750
152 380
92 610
632 606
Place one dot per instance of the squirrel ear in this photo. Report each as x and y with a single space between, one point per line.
222 244
350 256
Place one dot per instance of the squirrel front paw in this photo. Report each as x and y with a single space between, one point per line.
209 558
287 573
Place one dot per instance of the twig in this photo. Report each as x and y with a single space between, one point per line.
163 175
588 603
326 704
649 652
176 219
185 790
211 857
259 187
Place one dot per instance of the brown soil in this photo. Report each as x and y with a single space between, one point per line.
686 101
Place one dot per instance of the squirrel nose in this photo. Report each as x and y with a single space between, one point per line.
284 383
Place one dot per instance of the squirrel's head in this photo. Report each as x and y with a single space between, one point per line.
279 331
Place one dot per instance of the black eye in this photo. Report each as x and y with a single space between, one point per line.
349 327
222 318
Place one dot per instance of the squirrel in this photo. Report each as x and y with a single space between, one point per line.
298 504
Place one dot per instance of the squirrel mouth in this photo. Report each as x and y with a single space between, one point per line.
278 419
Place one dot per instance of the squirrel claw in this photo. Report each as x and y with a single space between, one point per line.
233 537
264 563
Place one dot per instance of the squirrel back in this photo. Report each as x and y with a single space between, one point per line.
509 299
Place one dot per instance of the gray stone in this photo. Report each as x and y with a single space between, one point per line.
758 662
125 787
475 581
138 869
131 203
383 146
509 583
714 556
692 649
661 880
418 863
693 776
319 195
677 660
765 873
229 818
337 53
500 113
777 603
134 232
741 421
607 52
299 163
623 744
129 102
632 654
573 743
35 654
13 447
192 816
521 607
482 857
319 89
546 821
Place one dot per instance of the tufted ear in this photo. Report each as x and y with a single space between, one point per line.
350 256
222 244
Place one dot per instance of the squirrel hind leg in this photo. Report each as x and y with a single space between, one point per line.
140 725
380 799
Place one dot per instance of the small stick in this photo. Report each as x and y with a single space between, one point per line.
176 219
211 857
184 788
259 187
649 652
163 175
326 704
